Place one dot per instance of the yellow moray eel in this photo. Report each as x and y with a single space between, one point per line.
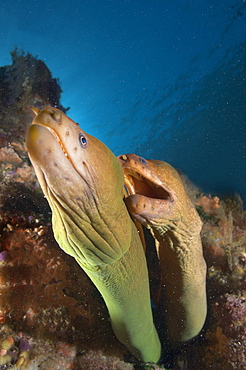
83 183
158 200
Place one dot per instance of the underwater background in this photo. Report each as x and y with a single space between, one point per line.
164 80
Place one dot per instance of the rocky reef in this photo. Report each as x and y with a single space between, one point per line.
222 344
51 315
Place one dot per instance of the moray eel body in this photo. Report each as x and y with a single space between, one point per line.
158 200
83 183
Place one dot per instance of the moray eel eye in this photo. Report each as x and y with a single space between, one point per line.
82 141
142 160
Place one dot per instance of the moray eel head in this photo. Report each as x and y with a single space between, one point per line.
82 181
58 147
150 191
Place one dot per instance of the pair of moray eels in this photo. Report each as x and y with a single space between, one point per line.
95 199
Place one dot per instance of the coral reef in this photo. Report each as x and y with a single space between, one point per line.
97 361
224 240
224 243
228 333
51 316
26 83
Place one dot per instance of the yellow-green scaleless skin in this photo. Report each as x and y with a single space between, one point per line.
83 183
157 199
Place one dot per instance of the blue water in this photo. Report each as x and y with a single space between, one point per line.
163 79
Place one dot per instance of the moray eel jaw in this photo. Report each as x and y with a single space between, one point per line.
145 193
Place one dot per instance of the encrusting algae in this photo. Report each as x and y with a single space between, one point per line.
51 315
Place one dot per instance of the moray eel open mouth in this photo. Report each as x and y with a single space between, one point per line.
140 180
144 191
138 184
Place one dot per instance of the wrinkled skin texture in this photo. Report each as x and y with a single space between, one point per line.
157 199
83 183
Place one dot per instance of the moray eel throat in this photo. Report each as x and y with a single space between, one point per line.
83 183
157 199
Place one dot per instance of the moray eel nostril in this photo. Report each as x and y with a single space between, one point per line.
57 116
